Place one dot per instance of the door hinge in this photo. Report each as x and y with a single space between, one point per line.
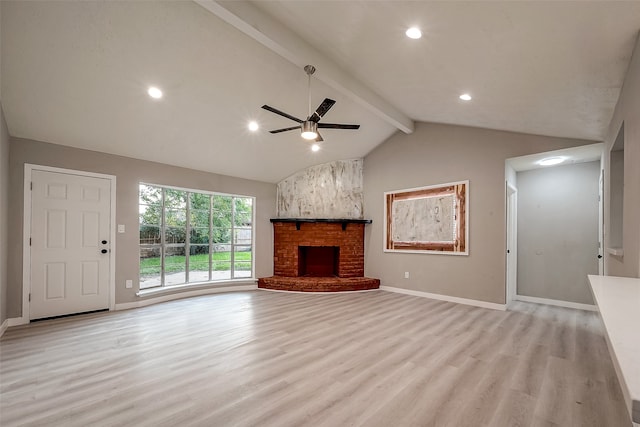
31 185
29 297
29 241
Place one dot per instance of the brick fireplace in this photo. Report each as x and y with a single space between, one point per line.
318 255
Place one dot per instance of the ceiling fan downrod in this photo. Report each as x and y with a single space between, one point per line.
309 69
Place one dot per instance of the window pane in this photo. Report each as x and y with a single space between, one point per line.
221 270
150 214
199 218
242 236
200 235
222 219
174 236
175 217
150 195
149 235
221 235
200 201
222 203
242 261
175 198
243 209
242 253
174 266
198 263
242 269
221 255
149 266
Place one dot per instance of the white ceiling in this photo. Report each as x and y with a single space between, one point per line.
76 73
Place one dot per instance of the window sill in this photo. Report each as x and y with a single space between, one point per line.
188 287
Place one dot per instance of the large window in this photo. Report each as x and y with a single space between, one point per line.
193 237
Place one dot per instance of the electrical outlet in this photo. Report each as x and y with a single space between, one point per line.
128 284
406 274
120 228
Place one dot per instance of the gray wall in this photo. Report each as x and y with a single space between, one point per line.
558 231
4 212
436 154
627 111
129 173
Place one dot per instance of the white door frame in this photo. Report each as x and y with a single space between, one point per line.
26 233
601 257
512 244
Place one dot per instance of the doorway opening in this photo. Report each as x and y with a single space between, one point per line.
552 223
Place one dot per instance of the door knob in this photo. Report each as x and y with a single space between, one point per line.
104 251
599 256
104 242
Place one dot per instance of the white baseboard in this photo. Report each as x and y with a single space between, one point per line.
476 303
12 321
555 302
4 327
17 321
170 297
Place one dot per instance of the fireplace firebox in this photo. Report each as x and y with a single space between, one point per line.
318 261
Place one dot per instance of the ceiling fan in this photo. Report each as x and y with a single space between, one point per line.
309 127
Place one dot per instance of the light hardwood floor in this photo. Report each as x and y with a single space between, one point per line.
273 359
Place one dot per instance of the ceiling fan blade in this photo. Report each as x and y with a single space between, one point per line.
337 126
284 129
280 113
319 138
322 110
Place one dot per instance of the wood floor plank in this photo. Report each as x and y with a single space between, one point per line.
264 358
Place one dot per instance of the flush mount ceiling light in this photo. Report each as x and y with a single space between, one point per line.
253 126
315 147
550 161
414 33
154 92
465 97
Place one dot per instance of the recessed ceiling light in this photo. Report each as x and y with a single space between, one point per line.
253 126
414 33
550 161
315 147
465 97
154 92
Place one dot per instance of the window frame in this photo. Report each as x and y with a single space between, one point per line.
163 245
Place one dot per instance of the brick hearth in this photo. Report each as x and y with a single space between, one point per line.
292 234
318 284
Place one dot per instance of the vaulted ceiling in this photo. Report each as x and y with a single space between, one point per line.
76 73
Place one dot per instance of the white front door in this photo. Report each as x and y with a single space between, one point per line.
70 232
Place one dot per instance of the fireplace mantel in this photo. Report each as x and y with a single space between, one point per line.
343 221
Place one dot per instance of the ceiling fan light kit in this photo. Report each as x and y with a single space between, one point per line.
309 130
309 127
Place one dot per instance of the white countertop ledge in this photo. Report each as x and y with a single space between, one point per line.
618 301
